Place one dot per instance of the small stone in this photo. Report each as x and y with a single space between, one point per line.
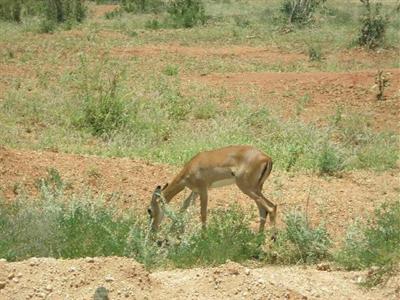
2 285
89 259
109 278
19 275
15 280
3 260
247 271
11 276
323 267
72 269
49 288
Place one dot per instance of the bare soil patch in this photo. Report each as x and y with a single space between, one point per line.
337 201
326 91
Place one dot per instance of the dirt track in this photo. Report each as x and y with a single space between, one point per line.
40 278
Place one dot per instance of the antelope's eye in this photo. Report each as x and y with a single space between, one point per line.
149 212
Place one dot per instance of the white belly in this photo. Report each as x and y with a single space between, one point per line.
223 182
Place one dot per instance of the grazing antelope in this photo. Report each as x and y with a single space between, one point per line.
246 166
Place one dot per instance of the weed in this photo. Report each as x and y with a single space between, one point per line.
298 242
205 110
171 70
330 161
314 53
374 244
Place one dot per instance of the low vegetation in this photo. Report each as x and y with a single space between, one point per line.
374 244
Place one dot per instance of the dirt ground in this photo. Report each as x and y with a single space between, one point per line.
47 278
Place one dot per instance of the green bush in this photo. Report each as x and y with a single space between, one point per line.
373 26
187 13
102 109
375 243
298 242
227 236
11 10
329 162
143 6
60 11
299 11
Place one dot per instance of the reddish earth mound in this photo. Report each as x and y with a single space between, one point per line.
337 201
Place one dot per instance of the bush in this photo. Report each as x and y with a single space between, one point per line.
227 236
374 244
329 161
11 10
299 11
142 6
373 26
60 11
299 243
187 13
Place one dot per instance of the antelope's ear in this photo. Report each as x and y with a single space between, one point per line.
165 186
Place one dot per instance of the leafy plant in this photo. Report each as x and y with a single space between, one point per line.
373 26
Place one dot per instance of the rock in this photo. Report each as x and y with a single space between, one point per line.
324 267
2 285
90 260
19 275
101 293
11 276
49 288
3 260
109 278
247 271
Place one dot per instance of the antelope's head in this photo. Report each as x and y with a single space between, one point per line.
155 210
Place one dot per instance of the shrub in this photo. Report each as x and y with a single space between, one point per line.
142 6
171 70
299 11
187 13
60 11
298 242
329 161
373 26
11 10
227 236
375 243
314 53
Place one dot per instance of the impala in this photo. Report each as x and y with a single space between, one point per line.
245 166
